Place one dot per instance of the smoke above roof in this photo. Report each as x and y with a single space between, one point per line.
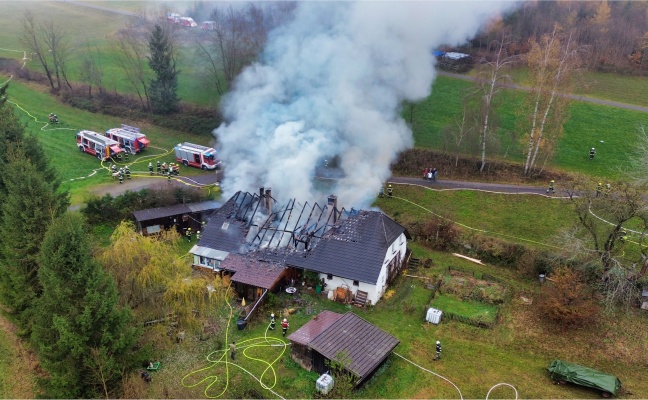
331 84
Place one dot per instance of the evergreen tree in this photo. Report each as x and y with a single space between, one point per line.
12 133
82 335
163 89
28 207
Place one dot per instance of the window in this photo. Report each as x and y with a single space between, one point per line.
356 283
329 277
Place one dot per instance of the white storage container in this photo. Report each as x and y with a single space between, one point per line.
433 316
324 384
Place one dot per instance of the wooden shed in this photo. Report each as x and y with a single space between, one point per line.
181 216
325 337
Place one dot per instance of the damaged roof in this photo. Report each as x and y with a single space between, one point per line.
356 249
350 244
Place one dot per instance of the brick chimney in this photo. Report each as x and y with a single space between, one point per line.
332 202
268 198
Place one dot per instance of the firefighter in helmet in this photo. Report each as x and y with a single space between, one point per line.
150 167
552 188
121 175
599 188
188 233
127 172
284 326
390 190
273 321
198 235
592 153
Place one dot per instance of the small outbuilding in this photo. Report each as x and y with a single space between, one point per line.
190 215
363 346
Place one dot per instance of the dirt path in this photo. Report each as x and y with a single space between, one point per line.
22 366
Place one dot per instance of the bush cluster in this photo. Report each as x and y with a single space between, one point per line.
109 209
450 166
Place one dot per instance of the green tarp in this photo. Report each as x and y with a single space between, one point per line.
584 376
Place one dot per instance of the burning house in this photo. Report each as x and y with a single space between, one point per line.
358 251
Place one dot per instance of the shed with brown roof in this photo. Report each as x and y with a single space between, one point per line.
362 346
300 339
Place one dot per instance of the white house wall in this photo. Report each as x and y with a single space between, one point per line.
375 291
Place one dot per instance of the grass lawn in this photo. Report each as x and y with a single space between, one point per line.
529 219
60 144
469 309
612 131
517 351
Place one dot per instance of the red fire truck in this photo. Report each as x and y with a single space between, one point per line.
97 144
197 156
129 138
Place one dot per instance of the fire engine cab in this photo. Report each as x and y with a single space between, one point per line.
97 144
129 138
196 155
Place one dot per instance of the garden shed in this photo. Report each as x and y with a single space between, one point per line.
182 216
328 336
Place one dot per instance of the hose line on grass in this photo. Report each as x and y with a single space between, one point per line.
455 386
218 358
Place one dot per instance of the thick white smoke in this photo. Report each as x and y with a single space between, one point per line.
331 83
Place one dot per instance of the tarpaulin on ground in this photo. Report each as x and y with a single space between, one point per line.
584 376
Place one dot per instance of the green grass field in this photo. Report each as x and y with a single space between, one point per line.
610 130
529 219
33 106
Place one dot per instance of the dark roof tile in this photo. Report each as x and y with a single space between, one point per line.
365 345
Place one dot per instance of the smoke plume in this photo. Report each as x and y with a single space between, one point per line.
331 83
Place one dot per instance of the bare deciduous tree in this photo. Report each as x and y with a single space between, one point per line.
551 63
622 255
491 77
32 39
131 49
91 71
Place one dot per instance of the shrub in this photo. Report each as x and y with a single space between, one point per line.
109 209
566 300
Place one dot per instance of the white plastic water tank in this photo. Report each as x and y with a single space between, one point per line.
433 316
324 384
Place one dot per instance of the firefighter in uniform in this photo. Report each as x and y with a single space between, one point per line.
592 153
188 233
126 155
284 326
390 190
198 235
121 175
438 351
150 166
159 167
608 189
599 188
623 235
165 168
127 172
551 188
273 321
